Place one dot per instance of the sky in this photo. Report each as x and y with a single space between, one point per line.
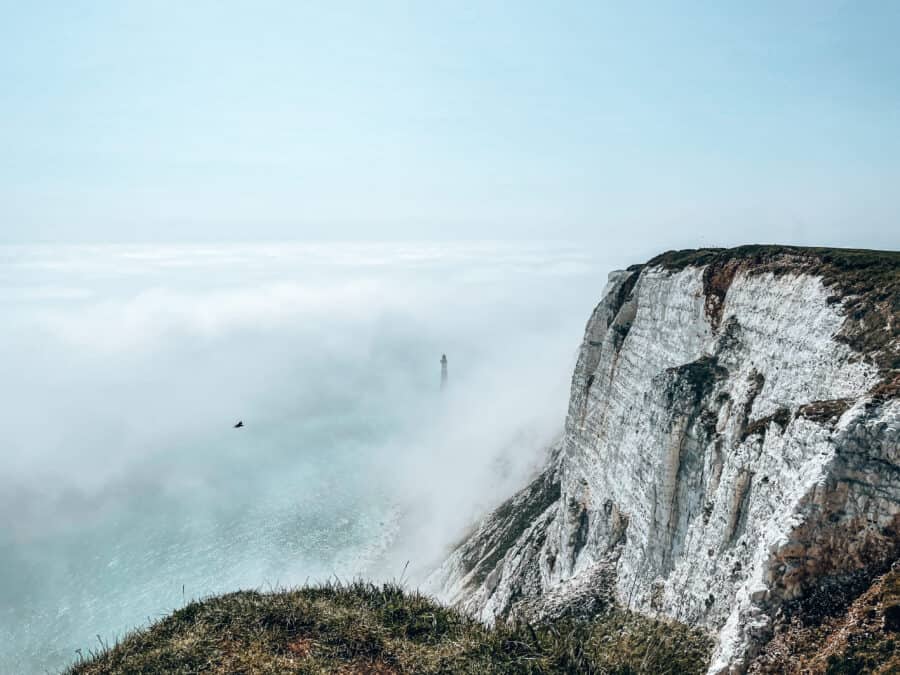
637 126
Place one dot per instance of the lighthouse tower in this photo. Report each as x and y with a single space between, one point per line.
443 371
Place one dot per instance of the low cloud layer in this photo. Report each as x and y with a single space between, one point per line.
127 366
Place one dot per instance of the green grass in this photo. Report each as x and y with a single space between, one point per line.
363 628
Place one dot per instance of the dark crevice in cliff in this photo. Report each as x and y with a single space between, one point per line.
737 518
621 320
781 417
824 412
692 428
619 333
578 537
618 525
612 320
757 382
715 475
625 290
603 317
696 379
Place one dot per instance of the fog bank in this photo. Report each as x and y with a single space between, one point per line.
127 492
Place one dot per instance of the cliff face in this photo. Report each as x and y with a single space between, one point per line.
732 444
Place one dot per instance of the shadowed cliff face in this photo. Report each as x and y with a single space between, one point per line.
732 442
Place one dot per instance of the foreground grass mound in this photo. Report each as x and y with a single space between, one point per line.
363 628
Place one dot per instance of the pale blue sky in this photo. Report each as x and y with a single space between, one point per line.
638 124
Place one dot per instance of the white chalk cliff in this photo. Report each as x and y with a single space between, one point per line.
732 445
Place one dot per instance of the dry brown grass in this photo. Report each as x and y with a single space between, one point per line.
381 630
860 639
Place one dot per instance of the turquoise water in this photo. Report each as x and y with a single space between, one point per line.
263 510
126 492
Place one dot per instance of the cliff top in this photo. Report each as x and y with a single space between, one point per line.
865 283
765 255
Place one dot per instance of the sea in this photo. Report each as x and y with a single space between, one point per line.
125 489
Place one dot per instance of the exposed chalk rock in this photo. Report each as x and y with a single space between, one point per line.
732 439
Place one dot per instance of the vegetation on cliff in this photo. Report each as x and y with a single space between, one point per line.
862 637
363 628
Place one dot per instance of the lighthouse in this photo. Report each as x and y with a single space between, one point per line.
443 371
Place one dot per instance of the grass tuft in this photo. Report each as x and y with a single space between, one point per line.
365 628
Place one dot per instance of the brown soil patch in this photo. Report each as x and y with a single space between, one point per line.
367 668
863 639
301 647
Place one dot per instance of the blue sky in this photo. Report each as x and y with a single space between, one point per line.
637 125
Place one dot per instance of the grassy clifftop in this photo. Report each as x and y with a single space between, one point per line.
363 628
767 254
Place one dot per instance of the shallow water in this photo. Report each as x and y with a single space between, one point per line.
126 492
